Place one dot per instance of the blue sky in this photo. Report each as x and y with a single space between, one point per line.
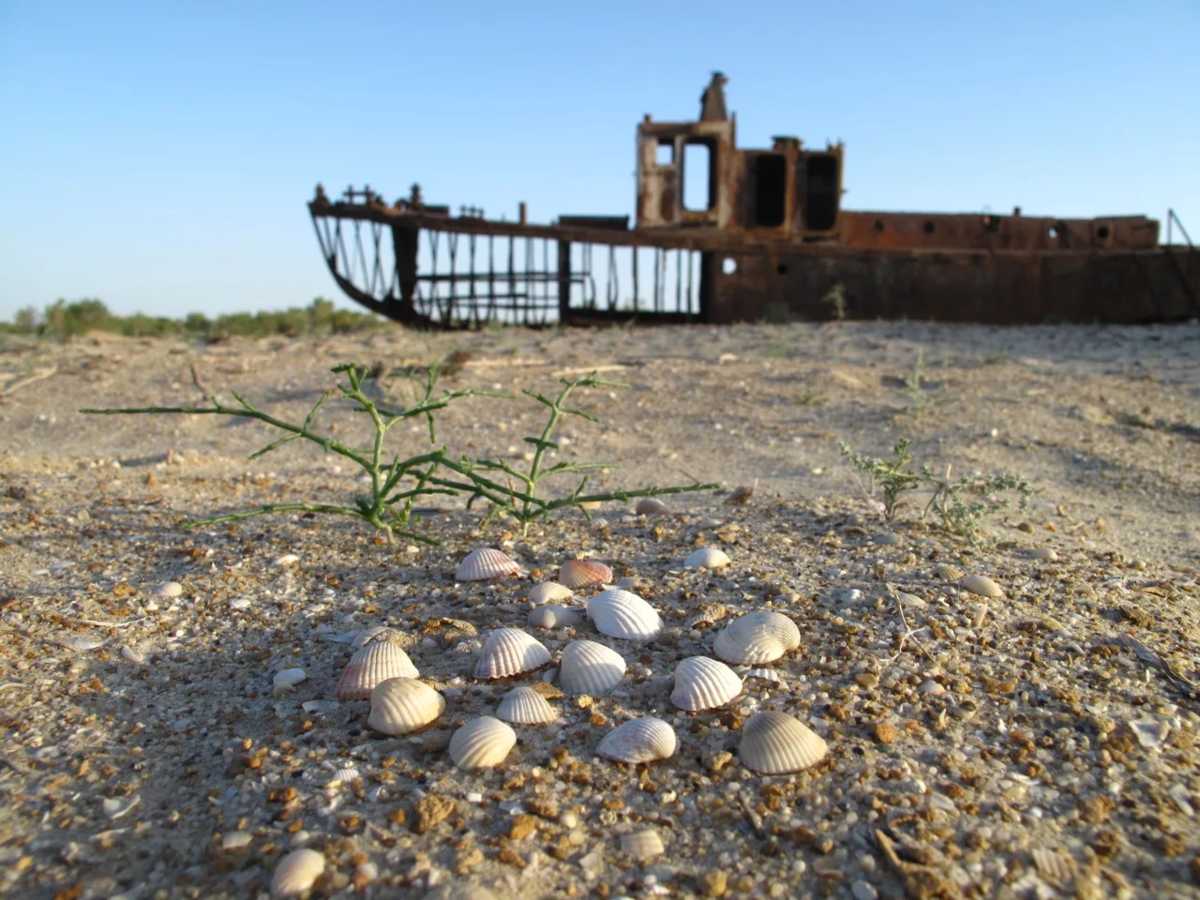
159 155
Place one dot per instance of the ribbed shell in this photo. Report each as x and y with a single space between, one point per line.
708 558
622 614
374 663
757 637
775 744
549 591
296 873
486 564
590 668
981 585
578 573
552 615
703 683
510 651
401 705
651 506
643 845
481 743
525 706
639 741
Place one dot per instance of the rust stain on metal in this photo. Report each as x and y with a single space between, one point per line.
746 234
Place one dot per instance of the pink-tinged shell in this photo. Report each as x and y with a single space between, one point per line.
486 564
651 506
580 573
372 665
510 651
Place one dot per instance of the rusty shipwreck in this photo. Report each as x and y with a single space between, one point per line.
765 237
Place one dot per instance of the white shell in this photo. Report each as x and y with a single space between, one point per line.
486 564
703 683
1043 554
639 741
578 573
374 663
757 637
297 872
765 675
775 744
708 558
981 585
510 651
131 655
651 506
643 845
590 668
168 590
285 680
525 706
552 615
401 705
481 743
549 591
622 614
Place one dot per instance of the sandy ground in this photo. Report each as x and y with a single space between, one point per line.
1058 718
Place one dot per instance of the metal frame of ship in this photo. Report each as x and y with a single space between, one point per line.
766 239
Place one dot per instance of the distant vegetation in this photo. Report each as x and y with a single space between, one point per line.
63 319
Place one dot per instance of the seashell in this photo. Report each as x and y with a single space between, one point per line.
481 743
510 651
643 845
628 583
947 572
1054 866
297 872
285 680
374 663
578 573
401 705
131 655
651 506
348 775
368 635
1043 554
757 637
709 612
590 668
236 840
288 559
486 564
525 706
241 603
1150 733
554 616
707 558
115 807
621 614
549 591
776 744
981 585
765 675
703 683
639 741
168 590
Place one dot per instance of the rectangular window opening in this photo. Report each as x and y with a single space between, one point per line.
698 177
770 190
665 155
821 198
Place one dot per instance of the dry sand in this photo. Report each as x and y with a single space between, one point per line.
1035 745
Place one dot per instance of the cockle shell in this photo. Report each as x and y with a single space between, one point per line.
296 873
401 705
981 585
651 506
703 683
486 564
622 614
639 741
757 637
481 743
510 651
168 590
775 744
590 668
708 558
552 615
376 662
285 680
549 591
643 845
525 706
578 573
947 572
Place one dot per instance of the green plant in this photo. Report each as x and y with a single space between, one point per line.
918 400
893 474
836 297
396 484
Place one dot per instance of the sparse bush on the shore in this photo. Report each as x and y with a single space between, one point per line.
62 320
